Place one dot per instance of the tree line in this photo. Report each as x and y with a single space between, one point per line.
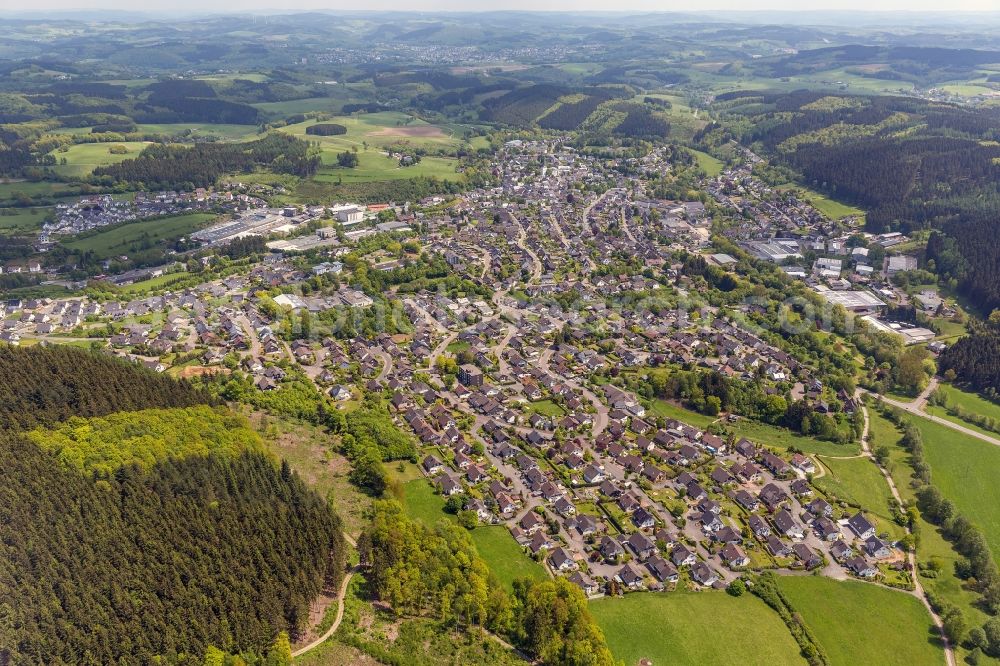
46 384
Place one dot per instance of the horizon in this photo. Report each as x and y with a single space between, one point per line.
733 8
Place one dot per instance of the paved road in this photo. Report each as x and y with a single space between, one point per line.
386 363
915 407
248 330
601 418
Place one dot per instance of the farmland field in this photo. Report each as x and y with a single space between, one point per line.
380 129
21 220
125 238
82 158
694 628
897 628
965 469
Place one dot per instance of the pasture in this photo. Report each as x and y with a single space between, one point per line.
694 628
859 623
126 238
83 158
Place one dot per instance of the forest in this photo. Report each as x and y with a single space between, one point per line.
194 552
43 385
165 167
326 129
138 523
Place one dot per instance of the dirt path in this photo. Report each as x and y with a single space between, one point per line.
918 589
340 607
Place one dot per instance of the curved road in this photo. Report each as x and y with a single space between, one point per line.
916 407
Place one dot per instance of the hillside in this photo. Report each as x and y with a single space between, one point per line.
165 528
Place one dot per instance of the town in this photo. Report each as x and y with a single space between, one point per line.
522 389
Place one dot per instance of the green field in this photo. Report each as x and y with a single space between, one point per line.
956 397
832 209
327 104
494 543
23 220
859 481
694 628
82 158
932 547
376 166
504 555
668 410
782 438
859 623
423 503
381 129
710 165
965 469
228 132
126 238
13 189
369 133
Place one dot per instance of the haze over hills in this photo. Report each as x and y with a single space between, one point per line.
502 337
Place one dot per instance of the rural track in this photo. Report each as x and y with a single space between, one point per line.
911 558
341 595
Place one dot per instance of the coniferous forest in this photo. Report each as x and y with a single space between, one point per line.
223 550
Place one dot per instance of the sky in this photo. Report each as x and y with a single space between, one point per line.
277 6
